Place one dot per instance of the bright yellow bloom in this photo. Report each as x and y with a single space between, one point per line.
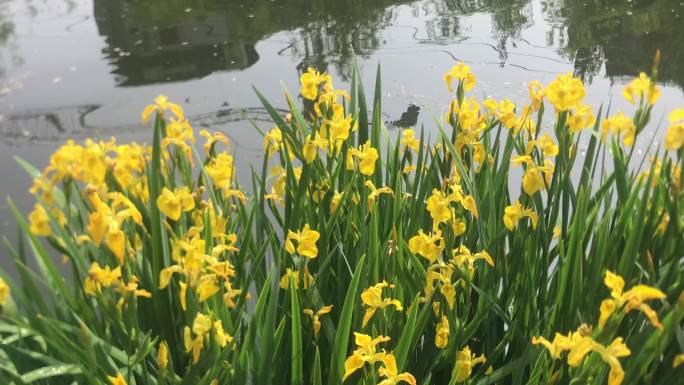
536 91
294 274
442 273
311 81
674 138
335 202
273 142
306 242
105 222
207 287
555 348
315 317
610 354
537 177
582 117
547 145
565 92
220 170
643 88
427 246
678 360
409 141
461 72
515 212
375 193
504 111
467 201
632 299
372 297
465 361
366 352
391 373
163 355
180 134
212 139
579 344
4 292
220 335
442 333
161 104
463 258
201 327
366 155
409 168
336 130
99 278
311 146
173 203
118 380
619 124
468 114
39 221
438 206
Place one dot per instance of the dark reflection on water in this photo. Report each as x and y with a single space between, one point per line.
77 68
623 36
155 41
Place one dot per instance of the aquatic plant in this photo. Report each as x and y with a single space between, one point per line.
357 256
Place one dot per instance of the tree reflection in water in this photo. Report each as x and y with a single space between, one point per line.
168 40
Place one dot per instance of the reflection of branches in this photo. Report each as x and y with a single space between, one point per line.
619 36
55 125
6 31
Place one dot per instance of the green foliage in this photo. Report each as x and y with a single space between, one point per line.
225 283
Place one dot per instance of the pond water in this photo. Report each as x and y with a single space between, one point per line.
80 68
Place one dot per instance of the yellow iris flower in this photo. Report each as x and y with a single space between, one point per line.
4 292
366 155
428 246
674 138
163 355
565 92
581 117
306 242
463 258
442 333
161 104
220 170
461 72
579 343
118 380
391 373
375 193
643 88
173 203
631 299
372 298
39 221
294 274
465 361
408 140
365 353
619 124
315 317
311 81
515 212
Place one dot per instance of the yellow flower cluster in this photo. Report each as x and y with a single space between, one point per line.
367 353
580 343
